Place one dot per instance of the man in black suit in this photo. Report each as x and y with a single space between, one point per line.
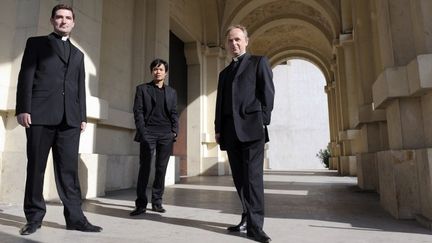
51 105
156 120
243 109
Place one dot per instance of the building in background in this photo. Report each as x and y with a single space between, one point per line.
375 56
300 124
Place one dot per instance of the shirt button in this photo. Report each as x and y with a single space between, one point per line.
63 93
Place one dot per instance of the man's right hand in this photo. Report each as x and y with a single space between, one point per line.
24 119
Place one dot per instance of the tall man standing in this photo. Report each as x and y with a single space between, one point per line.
243 109
156 120
51 105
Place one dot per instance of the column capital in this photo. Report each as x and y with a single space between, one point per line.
215 51
193 53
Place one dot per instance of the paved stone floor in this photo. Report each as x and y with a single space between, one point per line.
301 206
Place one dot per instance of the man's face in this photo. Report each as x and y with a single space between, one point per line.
159 73
237 42
63 22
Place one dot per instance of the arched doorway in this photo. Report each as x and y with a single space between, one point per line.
300 122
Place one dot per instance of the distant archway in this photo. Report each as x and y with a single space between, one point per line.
300 122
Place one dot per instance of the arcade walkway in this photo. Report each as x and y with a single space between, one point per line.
301 206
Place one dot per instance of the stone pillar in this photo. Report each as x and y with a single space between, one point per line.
330 89
424 171
13 32
403 89
370 121
157 30
214 161
422 25
31 18
336 148
348 106
23 19
140 72
195 102
346 16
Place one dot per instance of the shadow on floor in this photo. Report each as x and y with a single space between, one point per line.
7 238
111 209
321 196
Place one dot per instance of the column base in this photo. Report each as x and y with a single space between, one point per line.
348 165
367 172
334 163
12 176
423 221
398 183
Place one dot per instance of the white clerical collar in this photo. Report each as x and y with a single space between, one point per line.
64 38
237 57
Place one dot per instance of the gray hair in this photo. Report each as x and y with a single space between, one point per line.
237 26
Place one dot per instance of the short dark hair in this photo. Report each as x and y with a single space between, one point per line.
157 62
61 6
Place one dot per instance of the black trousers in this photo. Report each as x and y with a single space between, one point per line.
246 160
64 142
162 145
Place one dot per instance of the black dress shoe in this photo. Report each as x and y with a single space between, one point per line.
84 226
241 227
258 235
158 208
137 211
30 228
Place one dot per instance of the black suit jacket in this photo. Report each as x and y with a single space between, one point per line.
252 99
49 87
145 101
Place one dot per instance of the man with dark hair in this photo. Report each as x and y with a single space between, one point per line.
156 120
61 6
244 103
51 105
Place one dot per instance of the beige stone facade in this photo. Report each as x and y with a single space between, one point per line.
376 56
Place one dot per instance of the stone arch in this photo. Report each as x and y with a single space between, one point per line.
293 19
306 55
290 21
245 7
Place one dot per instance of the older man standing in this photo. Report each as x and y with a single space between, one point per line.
243 110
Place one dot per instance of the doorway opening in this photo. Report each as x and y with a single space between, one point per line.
300 122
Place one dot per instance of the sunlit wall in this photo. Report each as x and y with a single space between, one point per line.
300 124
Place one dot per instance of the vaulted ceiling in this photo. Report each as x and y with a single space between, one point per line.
283 29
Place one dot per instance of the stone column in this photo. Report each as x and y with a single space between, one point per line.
31 18
370 121
157 30
403 89
335 148
14 32
140 72
214 160
334 138
347 88
195 107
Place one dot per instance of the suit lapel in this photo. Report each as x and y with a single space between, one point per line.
243 65
55 47
168 96
151 92
73 52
